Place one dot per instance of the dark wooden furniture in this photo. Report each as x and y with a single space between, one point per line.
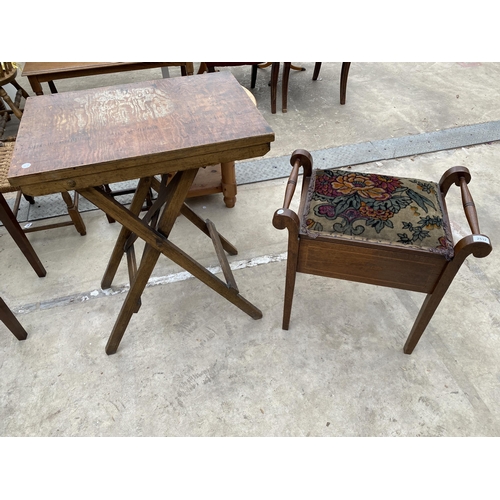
344 73
11 322
39 72
8 216
210 67
286 75
275 67
6 152
14 229
341 252
8 73
79 140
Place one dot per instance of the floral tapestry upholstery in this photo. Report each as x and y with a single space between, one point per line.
377 208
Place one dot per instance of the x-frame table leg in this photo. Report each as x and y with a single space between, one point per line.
116 256
157 242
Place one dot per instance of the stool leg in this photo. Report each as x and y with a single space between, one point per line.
432 301
7 317
291 273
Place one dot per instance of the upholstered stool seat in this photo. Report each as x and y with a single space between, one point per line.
377 229
377 208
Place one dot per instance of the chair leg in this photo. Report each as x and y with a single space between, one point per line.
275 69
343 81
3 110
254 76
8 101
317 68
73 212
10 222
344 73
11 322
18 87
52 87
284 90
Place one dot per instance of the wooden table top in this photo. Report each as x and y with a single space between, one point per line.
51 68
99 136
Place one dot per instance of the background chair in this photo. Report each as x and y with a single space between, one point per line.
10 321
317 67
344 73
8 219
210 67
8 75
8 216
382 230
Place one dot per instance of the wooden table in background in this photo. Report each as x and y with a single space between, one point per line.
39 72
85 139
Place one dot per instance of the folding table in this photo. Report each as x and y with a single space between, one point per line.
85 139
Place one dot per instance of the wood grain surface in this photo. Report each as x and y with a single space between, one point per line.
79 139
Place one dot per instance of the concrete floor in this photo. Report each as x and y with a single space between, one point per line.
191 364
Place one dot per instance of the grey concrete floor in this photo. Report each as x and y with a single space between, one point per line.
191 364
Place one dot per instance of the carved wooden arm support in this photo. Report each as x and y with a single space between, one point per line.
478 244
284 217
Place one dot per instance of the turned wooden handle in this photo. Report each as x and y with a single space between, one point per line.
292 183
469 207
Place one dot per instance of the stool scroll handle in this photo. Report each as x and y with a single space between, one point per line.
291 184
284 217
477 244
469 207
299 158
